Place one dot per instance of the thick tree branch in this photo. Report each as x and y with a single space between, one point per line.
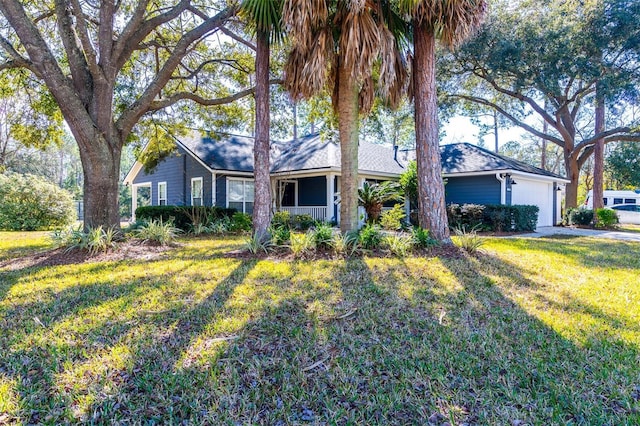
512 118
237 38
128 42
131 115
177 97
17 60
83 36
611 135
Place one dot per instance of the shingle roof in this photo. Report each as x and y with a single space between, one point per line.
468 158
227 152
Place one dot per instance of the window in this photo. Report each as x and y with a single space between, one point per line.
604 201
629 200
196 191
162 193
617 201
240 195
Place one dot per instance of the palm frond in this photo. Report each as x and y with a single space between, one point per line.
264 16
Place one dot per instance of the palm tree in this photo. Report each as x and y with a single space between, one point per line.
451 21
264 17
373 196
336 44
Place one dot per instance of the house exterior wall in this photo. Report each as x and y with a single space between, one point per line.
472 190
221 191
535 193
177 171
312 191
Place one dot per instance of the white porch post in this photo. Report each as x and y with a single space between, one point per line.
330 196
274 195
134 201
361 212
213 189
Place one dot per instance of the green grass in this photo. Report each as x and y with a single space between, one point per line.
542 331
16 244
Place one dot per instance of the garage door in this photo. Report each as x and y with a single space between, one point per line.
535 193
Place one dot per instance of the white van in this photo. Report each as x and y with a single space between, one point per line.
611 198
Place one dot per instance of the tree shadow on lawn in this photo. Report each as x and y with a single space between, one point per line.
590 252
64 338
364 341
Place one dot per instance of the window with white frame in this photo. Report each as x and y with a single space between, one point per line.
162 193
196 191
240 195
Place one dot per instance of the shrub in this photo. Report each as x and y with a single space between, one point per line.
183 217
578 217
94 240
399 245
468 215
281 219
606 218
29 203
392 219
255 243
157 231
346 244
280 235
370 237
241 222
303 221
498 218
470 241
422 237
301 244
220 226
322 236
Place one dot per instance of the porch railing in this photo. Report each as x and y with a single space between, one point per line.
316 212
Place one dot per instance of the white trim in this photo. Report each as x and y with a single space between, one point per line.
196 179
244 201
133 172
508 171
213 188
166 192
330 196
134 196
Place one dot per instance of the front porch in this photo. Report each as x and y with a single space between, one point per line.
313 195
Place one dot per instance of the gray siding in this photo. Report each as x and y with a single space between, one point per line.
177 170
472 190
312 191
221 191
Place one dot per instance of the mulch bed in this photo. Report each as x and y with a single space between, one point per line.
129 250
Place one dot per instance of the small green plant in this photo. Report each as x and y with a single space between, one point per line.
469 241
220 225
303 221
422 237
345 244
392 219
399 245
370 237
95 240
157 231
606 218
578 216
281 219
302 244
241 222
322 236
258 243
280 235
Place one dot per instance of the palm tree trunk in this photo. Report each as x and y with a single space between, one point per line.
598 153
348 128
432 214
262 200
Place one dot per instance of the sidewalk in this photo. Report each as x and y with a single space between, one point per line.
546 231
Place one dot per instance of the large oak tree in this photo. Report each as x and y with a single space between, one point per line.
551 60
109 64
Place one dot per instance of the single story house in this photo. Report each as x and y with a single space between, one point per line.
305 176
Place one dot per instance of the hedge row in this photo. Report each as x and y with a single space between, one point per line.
183 217
497 218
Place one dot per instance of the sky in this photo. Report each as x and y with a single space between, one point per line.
460 129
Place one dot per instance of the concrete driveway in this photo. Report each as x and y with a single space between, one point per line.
546 231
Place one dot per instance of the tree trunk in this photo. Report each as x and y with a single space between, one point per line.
262 200
347 106
432 214
573 174
101 165
598 154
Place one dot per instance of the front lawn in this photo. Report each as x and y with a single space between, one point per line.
531 331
